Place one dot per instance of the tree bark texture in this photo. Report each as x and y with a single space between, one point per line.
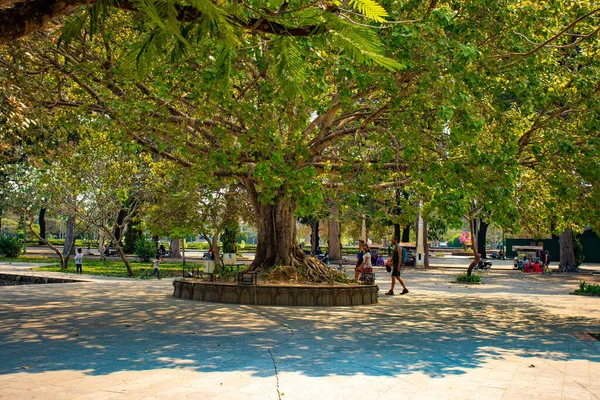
405 234
277 245
314 238
42 223
119 226
425 245
175 248
398 232
567 248
69 237
473 247
481 238
334 230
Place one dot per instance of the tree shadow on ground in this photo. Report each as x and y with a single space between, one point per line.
134 326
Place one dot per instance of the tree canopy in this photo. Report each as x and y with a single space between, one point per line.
475 106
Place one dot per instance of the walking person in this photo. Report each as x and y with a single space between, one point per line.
366 265
156 264
397 258
547 260
79 261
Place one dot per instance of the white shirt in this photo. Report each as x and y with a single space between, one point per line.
156 264
367 258
78 258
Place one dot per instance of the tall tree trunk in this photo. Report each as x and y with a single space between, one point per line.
473 246
405 234
567 248
425 245
277 243
174 248
101 247
335 245
214 245
118 234
398 232
314 237
42 222
69 237
481 238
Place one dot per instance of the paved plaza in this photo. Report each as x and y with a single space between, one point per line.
515 337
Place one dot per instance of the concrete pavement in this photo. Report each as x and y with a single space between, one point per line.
515 337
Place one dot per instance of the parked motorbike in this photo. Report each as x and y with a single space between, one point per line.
324 258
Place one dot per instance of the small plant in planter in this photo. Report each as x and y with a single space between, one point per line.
468 278
228 238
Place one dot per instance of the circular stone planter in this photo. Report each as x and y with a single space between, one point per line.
276 295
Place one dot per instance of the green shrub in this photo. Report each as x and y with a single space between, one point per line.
228 237
586 288
468 278
145 249
10 246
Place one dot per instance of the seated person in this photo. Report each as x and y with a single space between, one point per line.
162 250
88 252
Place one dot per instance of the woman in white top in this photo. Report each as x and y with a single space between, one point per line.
366 260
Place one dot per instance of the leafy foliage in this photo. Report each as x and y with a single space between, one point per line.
145 249
468 278
592 289
10 246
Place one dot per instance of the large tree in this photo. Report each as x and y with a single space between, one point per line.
470 103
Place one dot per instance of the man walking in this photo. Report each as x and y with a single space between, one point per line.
397 259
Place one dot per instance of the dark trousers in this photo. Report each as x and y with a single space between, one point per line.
155 272
79 268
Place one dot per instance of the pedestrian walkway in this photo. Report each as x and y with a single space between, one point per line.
515 337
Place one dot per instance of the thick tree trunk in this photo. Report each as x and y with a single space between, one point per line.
214 245
42 222
69 238
277 245
314 238
398 232
405 234
481 238
567 248
174 248
335 245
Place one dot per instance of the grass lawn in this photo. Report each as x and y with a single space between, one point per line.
110 267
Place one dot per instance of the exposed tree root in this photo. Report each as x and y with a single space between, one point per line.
309 268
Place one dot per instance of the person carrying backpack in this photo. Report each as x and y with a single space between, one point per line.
398 258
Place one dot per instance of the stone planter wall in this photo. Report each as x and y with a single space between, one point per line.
273 295
35 279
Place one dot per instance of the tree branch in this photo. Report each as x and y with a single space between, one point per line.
21 18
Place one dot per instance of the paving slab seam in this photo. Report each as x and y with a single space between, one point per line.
291 334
